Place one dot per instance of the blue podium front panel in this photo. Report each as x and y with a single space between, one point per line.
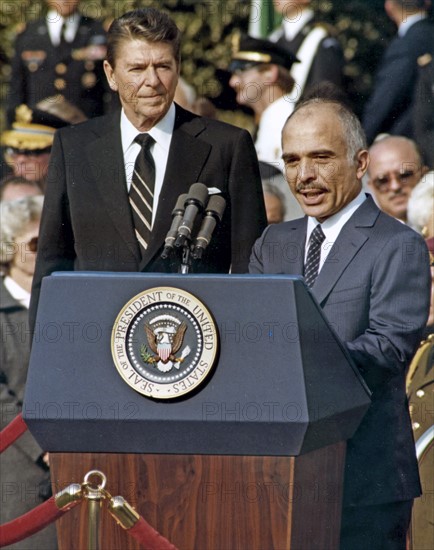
282 384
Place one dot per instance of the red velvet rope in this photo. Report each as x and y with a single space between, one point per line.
148 537
12 432
30 523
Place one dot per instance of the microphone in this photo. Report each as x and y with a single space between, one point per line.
177 214
195 202
213 215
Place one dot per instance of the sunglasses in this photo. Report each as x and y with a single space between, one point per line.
32 245
382 183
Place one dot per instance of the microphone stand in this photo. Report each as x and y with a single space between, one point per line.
186 261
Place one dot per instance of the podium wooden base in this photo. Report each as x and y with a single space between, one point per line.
202 502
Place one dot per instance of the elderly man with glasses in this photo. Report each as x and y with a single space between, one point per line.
395 167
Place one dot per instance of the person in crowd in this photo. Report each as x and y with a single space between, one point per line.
262 81
423 107
187 98
27 145
280 203
395 167
420 392
61 54
313 42
388 110
185 94
24 474
370 275
274 204
420 208
99 196
430 322
16 187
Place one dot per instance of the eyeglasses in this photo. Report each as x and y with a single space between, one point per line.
32 245
382 182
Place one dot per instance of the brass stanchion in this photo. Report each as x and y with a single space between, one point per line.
94 496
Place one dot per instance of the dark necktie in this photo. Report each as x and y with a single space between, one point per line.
142 191
313 256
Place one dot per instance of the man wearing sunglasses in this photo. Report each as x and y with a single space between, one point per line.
395 167
27 144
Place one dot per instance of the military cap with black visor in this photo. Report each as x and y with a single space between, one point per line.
249 52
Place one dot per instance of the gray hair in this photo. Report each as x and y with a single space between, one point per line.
351 126
14 218
421 202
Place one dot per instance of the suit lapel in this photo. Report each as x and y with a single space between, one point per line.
107 163
187 156
293 257
348 243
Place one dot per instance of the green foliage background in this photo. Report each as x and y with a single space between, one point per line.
362 28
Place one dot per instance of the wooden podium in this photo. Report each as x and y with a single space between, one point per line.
253 458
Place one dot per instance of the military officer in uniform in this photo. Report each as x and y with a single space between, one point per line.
312 42
26 146
262 81
61 54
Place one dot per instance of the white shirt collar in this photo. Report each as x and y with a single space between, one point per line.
17 292
161 132
409 22
54 23
293 26
332 226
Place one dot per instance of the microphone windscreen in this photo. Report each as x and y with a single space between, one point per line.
179 206
198 192
216 205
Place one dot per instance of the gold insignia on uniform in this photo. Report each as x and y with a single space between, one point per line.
23 114
236 37
60 84
25 134
424 59
33 66
61 68
20 27
78 55
33 55
88 80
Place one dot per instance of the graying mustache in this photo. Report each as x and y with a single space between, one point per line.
300 187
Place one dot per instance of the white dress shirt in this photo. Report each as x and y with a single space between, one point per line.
409 21
293 26
55 22
17 292
332 227
162 133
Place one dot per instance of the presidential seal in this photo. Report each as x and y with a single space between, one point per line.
164 342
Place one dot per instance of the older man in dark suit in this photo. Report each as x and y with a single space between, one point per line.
370 274
109 198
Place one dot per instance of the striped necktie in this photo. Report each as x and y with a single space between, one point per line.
313 256
142 191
